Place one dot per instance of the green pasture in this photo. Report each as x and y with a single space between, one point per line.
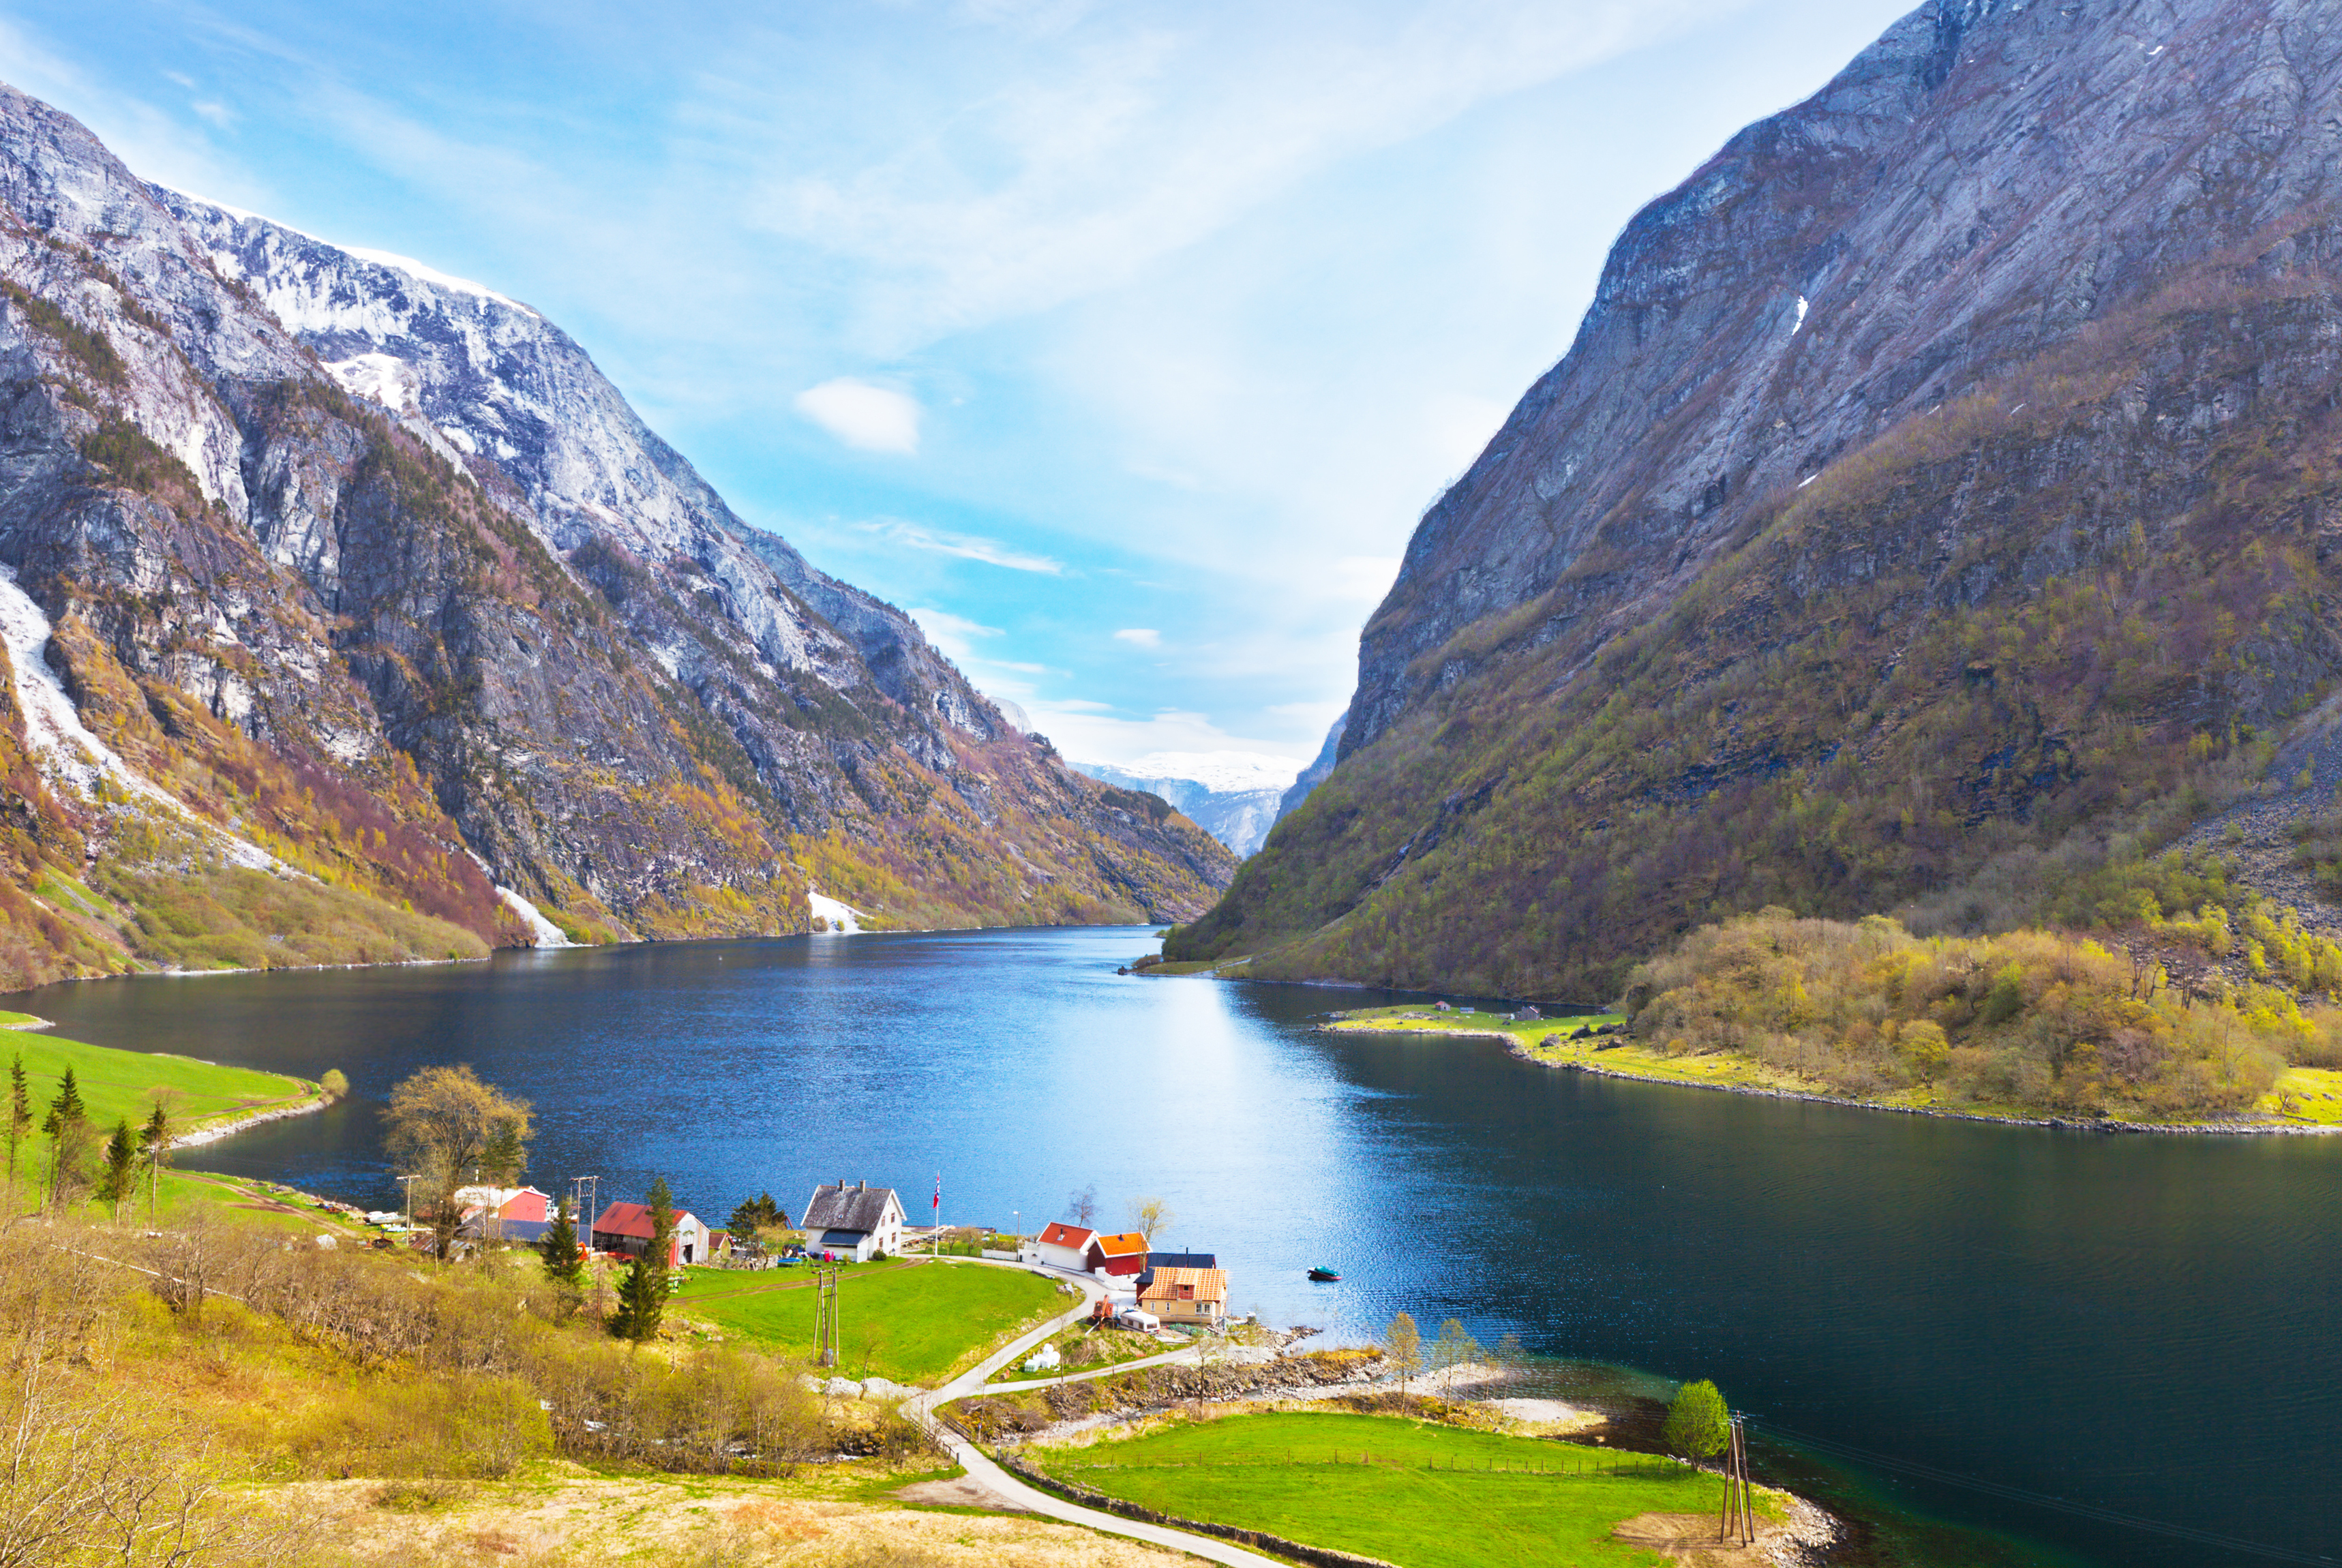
1407 1492
911 1322
122 1084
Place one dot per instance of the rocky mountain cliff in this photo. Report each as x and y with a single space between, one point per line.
1944 476
351 612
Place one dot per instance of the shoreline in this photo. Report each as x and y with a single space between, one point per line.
1515 1047
218 1131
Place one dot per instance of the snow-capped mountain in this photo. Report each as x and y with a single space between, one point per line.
1233 795
364 577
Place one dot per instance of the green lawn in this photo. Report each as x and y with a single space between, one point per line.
913 1323
1432 1496
116 1084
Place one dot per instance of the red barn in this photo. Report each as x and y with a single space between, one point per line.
626 1228
1118 1254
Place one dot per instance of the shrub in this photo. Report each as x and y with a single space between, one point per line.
2034 1020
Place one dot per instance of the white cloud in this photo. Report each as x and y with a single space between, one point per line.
1096 733
1140 637
1363 577
954 635
872 418
966 546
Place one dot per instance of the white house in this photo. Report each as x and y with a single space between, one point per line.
859 1222
1061 1245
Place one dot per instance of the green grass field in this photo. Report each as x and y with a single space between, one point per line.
913 1323
1407 1492
117 1085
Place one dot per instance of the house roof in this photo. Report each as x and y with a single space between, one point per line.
1187 1286
860 1207
1129 1243
1058 1233
1184 1260
635 1220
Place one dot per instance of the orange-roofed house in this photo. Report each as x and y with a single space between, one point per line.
1121 1254
1187 1298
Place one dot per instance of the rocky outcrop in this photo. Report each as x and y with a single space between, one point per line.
1940 471
362 581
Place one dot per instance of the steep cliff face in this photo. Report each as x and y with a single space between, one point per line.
340 594
1945 468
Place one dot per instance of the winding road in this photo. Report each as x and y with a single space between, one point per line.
980 1468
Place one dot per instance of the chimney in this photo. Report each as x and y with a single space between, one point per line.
863 1185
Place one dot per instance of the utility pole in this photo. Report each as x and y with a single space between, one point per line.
824 1313
406 1185
1739 1520
583 1191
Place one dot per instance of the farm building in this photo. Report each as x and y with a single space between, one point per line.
1187 1298
625 1228
1060 1245
1175 1261
859 1222
1118 1254
502 1214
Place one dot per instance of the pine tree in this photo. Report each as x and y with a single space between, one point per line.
660 1249
155 1147
642 1298
121 1178
66 1125
565 1263
20 1120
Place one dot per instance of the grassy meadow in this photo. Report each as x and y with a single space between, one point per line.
1407 1492
122 1084
911 1321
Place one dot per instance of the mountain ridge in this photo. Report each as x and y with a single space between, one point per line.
370 570
1820 571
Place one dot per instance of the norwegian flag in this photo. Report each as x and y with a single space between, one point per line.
939 1197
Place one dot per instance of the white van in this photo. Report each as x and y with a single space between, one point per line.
1131 1317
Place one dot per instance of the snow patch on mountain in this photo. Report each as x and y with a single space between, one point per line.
64 747
381 378
432 274
841 918
548 933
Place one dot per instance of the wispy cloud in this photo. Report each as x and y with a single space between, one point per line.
955 634
966 546
862 414
1140 637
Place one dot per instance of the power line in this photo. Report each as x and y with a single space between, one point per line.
2043 1500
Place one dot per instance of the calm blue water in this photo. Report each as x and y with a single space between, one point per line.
2147 1325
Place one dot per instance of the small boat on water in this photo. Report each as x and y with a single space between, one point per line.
1322 1273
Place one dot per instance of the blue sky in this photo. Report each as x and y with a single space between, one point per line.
1122 343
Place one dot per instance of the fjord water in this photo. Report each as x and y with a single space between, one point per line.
2151 1326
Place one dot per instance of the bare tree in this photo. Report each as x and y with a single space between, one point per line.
448 1128
1150 1217
1083 1206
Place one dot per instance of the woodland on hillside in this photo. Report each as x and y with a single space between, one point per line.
1853 709
2027 1020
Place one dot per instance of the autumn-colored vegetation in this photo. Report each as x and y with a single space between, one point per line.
2024 1021
1862 704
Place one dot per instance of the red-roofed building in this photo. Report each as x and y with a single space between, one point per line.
1121 1254
626 1228
1061 1245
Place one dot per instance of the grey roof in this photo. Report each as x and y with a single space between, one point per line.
844 1208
